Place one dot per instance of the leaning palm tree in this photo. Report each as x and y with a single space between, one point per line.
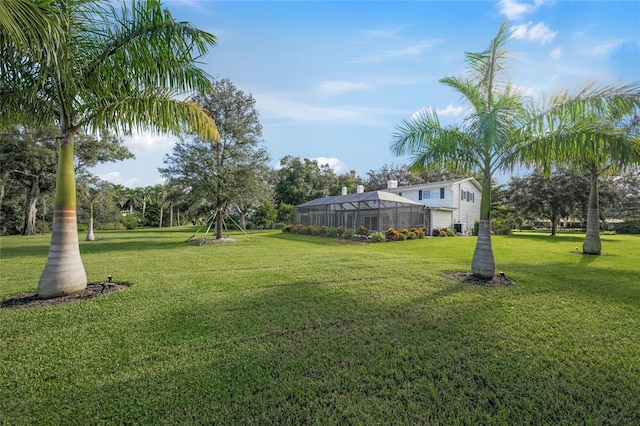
483 140
116 68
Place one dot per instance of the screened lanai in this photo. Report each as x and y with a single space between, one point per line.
376 210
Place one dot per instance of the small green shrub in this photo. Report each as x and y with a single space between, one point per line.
451 232
83 227
476 227
401 236
323 230
316 231
309 230
362 231
130 221
288 228
332 232
340 231
349 233
111 226
500 227
377 237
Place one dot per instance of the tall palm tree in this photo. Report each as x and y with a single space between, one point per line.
481 143
115 68
596 131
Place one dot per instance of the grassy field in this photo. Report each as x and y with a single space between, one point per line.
290 329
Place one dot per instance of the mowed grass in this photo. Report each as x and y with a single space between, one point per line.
290 329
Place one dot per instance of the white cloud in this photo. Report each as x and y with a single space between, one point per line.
451 111
556 53
539 31
338 87
335 164
513 9
410 51
387 33
147 141
605 47
279 105
116 178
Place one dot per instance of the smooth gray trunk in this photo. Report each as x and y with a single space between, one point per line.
592 243
483 263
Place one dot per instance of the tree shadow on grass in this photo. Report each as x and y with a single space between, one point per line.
300 354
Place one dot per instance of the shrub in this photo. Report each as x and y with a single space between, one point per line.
391 234
629 226
440 232
130 221
309 230
323 230
362 231
349 233
316 231
288 229
111 226
377 237
500 227
332 232
401 236
340 231
451 232
83 227
476 226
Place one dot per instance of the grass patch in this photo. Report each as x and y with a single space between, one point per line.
298 329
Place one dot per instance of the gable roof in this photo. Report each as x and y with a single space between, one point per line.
363 196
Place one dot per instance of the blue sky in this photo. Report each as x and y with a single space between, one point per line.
332 80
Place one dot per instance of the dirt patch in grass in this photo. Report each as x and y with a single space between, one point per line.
29 300
467 277
201 241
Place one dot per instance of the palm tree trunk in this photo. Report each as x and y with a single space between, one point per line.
592 243
64 272
483 263
30 213
90 236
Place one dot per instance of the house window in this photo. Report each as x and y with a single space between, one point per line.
442 193
420 194
462 194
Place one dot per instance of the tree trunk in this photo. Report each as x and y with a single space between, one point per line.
171 216
144 208
243 221
161 211
219 224
64 272
554 225
483 263
30 207
592 243
90 236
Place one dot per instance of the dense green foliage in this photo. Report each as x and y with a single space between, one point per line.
281 328
629 226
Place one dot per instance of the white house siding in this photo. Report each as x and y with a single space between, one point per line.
457 211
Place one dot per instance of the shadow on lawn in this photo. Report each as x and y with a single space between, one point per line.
291 354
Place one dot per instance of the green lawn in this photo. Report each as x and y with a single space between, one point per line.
291 329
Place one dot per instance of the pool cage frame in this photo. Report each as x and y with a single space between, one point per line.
375 210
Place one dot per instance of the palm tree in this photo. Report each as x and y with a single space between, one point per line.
596 131
481 143
115 69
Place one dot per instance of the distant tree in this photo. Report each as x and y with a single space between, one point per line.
230 171
92 191
285 213
265 214
403 175
628 186
552 197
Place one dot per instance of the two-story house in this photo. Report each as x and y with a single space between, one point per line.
453 204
